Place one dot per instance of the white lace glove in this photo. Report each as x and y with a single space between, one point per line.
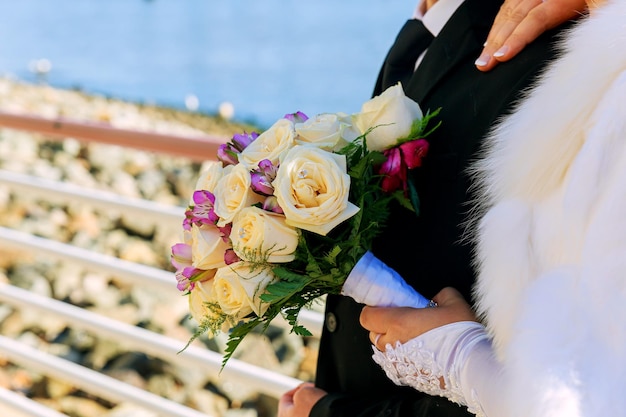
453 361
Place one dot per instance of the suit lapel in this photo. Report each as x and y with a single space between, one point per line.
461 37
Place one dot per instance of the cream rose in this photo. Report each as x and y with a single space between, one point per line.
259 235
391 114
207 247
202 294
312 187
238 288
325 131
232 193
210 174
269 145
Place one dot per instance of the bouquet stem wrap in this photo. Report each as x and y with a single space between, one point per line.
373 283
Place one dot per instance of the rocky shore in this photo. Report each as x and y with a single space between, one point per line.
131 173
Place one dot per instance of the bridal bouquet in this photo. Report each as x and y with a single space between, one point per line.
283 217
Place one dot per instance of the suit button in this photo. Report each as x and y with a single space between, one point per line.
331 322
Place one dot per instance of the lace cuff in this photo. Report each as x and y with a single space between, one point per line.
433 362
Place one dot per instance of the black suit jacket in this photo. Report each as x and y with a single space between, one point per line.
435 256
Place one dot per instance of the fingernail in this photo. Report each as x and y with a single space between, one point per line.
482 60
500 52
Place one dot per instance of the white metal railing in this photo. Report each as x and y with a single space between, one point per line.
150 343
17 405
99 384
195 148
129 271
62 192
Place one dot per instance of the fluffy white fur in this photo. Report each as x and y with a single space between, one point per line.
552 244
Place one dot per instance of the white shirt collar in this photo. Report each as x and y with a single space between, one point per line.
437 15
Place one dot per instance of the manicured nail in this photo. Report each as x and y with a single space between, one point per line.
482 60
500 52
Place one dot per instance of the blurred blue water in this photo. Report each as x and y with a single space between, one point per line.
266 57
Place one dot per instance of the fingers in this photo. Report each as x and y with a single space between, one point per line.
306 397
375 338
448 296
285 403
511 31
298 401
395 324
372 320
388 325
519 22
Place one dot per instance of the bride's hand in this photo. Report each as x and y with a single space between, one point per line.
401 324
519 22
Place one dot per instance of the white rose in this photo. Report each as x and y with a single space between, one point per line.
270 144
392 109
232 193
210 174
202 294
312 187
324 131
259 235
350 132
238 288
207 247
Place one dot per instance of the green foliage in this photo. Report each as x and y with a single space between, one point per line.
418 129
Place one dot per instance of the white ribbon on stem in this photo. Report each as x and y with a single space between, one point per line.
373 283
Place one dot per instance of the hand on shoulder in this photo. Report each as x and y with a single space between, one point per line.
519 22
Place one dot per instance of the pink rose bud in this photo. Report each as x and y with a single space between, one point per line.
414 151
394 171
230 257
390 184
225 231
393 164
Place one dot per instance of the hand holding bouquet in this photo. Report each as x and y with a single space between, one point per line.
284 216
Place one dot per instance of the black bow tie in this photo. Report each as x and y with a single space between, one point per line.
412 40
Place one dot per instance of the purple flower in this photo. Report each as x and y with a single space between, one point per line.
202 212
227 154
260 184
268 169
186 274
261 179
297 117
242 140
183 280
181 255
181 260
271 204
